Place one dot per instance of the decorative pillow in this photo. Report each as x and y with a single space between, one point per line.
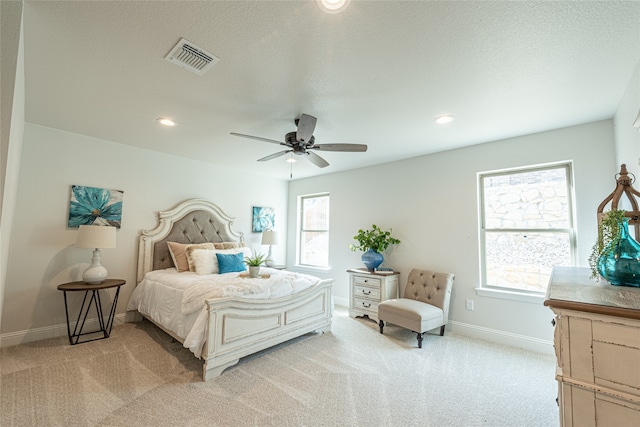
230 263
178 253
202 261
228 245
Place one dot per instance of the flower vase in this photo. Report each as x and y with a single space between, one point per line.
619 263
372 259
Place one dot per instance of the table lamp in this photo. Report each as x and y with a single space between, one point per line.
270 237
95 236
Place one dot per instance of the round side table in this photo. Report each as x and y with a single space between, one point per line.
94 291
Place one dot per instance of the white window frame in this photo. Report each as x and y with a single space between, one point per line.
523 295
301 231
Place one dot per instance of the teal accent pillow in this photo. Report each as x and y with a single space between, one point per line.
230 263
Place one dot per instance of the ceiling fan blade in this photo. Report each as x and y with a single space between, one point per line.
306 126
316 160
273 141
274 156
355 148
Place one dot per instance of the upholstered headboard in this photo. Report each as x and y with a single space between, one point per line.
192 221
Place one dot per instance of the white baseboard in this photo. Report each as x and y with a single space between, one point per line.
343 302
502 337
487 334
37 334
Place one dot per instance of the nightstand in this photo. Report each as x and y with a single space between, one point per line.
87 301
368 289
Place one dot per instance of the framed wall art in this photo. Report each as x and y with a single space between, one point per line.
95 206
263 219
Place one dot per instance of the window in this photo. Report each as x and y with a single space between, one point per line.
314 231
526 227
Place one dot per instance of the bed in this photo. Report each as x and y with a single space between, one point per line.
231 327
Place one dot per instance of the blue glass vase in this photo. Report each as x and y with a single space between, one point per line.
372 259
620 262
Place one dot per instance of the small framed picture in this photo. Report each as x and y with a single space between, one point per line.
263 219
95 206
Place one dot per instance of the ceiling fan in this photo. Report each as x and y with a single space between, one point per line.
302 143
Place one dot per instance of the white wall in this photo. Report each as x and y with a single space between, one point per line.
431 204
12 87
628 137
42 254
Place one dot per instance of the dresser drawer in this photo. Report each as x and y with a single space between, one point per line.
365 304
366 281
365 292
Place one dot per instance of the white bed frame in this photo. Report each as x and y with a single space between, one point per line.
238 327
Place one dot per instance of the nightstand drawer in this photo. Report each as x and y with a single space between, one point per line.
365 292
366 281
365 304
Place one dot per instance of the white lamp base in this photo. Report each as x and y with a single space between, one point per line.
270 262
95 273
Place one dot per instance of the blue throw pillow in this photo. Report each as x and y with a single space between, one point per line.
230 263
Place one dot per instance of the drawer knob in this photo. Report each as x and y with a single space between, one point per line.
366 292
366 305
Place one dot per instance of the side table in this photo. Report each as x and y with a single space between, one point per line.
94 290
368 289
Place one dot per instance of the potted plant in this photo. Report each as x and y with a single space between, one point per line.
373 242
254 262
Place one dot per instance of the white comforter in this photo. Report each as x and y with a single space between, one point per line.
176 301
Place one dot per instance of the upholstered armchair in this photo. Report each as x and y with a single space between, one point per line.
425 305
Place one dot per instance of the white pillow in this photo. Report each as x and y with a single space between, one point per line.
178 253
204 261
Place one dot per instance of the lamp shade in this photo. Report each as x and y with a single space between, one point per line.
269 237
96 236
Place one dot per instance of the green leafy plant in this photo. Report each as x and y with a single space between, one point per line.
608 237
255 260
376 239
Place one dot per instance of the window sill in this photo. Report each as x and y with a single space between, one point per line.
311 269
510 295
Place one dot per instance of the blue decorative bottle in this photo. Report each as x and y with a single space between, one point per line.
372 259
620 262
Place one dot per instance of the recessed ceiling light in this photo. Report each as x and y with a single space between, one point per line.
333 6
446 118
166 122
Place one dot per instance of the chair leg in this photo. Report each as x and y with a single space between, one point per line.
420 339
442 331
381 324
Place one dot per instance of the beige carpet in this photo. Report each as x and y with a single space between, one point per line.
352 376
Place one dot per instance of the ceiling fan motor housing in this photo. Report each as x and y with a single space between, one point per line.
291 140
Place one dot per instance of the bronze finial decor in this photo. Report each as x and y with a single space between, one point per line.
624 185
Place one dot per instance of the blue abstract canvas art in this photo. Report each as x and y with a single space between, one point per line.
263 219
95 206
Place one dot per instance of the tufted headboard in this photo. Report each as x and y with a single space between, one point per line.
192 221
430 287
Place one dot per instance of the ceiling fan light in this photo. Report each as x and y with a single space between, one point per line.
333 6
444 119
166 122
290 159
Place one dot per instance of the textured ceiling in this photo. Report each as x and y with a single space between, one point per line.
378 73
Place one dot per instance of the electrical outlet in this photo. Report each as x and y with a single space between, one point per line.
469 304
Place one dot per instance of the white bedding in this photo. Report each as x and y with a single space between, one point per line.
176 301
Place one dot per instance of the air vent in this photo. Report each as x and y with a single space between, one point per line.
191 57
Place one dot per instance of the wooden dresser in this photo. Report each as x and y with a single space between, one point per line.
597 345
367 290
